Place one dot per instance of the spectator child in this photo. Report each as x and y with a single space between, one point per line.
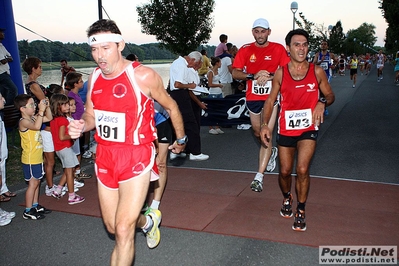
48 146
63 147
74 82
75 147
221 50
32 151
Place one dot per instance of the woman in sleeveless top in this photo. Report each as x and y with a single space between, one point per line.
215 88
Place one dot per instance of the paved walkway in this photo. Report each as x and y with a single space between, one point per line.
357 142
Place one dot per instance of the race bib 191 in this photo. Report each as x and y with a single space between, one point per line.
261 90
110 125
298 119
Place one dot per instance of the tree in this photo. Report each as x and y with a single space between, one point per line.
358 39
390 11
337 38
315 34
180 26
78 54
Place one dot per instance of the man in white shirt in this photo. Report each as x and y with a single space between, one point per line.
182 82
7 87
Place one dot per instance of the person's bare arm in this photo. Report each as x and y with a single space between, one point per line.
151 84
265 131
37 91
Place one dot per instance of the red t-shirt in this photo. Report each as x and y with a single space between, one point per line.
55 125
252 59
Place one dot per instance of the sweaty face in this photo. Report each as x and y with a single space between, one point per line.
106 55
298 48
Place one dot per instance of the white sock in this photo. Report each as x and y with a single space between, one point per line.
155 204
259 177
77 172
148 225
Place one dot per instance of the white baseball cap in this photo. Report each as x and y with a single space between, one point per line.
261 22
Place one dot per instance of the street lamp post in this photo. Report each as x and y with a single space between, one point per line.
354 43
329 29
294 9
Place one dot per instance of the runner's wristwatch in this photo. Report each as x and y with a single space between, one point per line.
323 100
182 141
250 76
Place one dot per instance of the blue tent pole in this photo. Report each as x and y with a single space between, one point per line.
11 43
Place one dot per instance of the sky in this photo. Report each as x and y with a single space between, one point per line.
67 21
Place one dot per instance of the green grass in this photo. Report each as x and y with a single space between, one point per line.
86 64
14 173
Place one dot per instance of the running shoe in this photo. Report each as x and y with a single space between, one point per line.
173 156
56 195
286 209
65 189
7 214
32 215
257 183
220 131
299 222
257 186
49 190
78 184
87 154
213 131
43 210
271 165
199 157
4 220
77 199
154 235
82 175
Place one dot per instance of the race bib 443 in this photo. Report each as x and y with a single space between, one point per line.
298 119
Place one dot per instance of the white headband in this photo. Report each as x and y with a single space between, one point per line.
108 37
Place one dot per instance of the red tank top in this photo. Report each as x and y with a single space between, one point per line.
123 113
298 100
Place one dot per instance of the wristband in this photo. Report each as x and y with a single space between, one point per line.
250 77
263 124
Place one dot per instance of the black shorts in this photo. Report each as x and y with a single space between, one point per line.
256 107
353 71
287 141
164 132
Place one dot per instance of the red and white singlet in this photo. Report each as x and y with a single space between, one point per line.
123 113
298 100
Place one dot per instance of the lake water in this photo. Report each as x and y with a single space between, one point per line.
54 76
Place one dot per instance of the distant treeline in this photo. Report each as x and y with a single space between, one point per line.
55 51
